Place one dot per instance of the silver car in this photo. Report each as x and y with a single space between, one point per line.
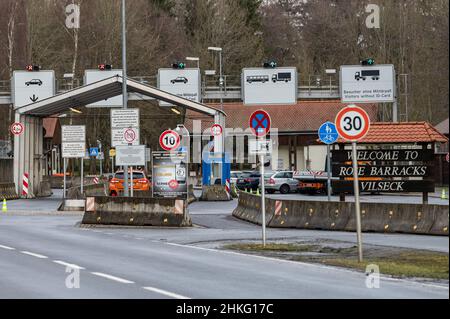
281 181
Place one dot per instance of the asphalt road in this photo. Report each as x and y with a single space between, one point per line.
170 263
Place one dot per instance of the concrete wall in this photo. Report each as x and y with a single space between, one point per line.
375 217
6 170
317 156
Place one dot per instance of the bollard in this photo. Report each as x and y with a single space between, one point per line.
4 208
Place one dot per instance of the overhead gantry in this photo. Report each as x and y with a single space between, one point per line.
28 147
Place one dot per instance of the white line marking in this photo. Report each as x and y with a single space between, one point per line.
309 265
165 292
7 247
121 280
73 266
138 238
33 254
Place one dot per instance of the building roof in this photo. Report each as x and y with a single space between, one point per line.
405 132
49 124
442 127
305 116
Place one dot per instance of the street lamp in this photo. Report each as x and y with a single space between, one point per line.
190 58
217 49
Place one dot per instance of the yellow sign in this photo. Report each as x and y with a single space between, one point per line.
112 152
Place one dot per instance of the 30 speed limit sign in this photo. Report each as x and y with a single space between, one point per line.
169 140
352 123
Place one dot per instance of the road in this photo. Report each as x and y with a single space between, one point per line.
168 263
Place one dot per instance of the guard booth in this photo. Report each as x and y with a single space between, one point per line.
29 161
210 161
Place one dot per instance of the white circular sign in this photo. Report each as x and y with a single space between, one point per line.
216 130
352 123
129 135
169 140
16 128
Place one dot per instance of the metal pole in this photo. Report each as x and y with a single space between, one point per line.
328 173
64 178
82 173
394 111
357 206
221 107
124 88
263 202
101 160
131 181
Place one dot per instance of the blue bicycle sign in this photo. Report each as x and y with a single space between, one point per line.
328 133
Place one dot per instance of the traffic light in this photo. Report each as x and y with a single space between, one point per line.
103 67
270 64
32 68
368 61
178 65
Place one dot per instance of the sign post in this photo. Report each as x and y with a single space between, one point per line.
328 134
352 123
125 130
73 138
259 123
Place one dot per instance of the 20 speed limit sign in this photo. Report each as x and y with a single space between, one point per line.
169 140
352 123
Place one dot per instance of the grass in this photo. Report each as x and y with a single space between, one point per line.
406 264
272 247
398 263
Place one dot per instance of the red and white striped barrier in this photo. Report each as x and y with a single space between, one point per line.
278 204
90 204
25 184
95 180
179 206
227 188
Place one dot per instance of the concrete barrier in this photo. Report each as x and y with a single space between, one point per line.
89 190
8 191
45 189
132 211
375 217
214 193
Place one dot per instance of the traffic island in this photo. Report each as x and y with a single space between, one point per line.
136 211
391 261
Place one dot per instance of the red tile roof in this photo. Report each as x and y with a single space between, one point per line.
305 116
405 132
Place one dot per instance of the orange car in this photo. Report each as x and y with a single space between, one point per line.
140 182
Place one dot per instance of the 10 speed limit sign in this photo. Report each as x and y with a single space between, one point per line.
352 123
169 140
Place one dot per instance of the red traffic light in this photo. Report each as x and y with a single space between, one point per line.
103 67
32 68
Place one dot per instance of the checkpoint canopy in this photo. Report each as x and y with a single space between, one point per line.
28 146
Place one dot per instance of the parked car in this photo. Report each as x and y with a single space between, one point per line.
283 182
234 175
140 182
248 181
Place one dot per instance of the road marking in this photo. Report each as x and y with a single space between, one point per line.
165 292
7 247
121 280
138 238
33 254
324 267
73 266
